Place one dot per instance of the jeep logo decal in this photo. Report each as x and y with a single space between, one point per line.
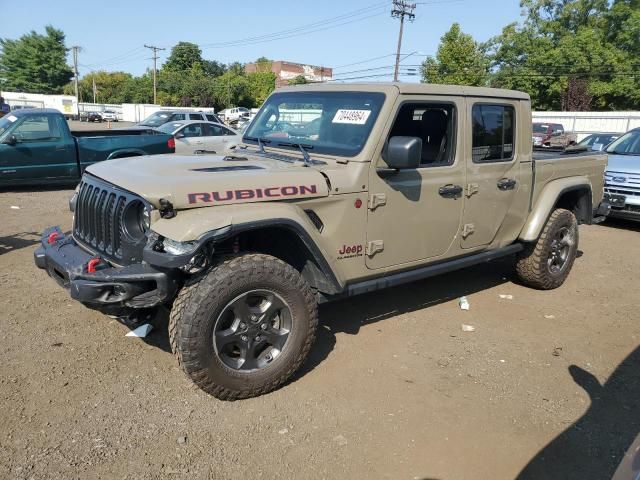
248 194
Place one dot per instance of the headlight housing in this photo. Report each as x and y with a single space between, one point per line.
136 220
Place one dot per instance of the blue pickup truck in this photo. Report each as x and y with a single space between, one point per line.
37 147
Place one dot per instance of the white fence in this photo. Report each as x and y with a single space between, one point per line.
585 123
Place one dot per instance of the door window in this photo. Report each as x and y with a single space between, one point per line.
195 116
226 131
493 133
40 128
434 124
213 130
212 118
194 130
178 116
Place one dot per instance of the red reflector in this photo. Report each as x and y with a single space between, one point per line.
171 143
358 203
51 239
92 264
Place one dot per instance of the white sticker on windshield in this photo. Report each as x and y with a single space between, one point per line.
354 117
11 118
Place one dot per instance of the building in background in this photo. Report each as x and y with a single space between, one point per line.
286 71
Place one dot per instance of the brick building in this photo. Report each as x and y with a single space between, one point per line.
286 71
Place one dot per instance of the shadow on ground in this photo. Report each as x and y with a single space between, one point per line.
18 241
621 224
593 447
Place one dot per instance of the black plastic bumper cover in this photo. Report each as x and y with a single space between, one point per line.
136 286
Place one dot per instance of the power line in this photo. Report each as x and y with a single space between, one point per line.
155 68
401 9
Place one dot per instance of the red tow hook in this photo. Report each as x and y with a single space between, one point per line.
92 264
53 236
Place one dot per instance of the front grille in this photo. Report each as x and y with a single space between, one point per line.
630 186
98 220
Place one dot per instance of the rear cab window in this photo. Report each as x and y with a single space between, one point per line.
493 133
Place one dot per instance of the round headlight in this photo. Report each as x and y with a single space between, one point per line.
136 221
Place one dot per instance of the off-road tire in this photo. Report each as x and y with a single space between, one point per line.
199 304
532 266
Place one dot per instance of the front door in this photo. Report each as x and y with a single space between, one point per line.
415 214
492 170
42 150
189 139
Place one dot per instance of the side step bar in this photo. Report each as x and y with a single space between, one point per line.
395 279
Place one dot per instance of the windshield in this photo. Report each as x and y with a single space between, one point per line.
156 119
628 144
6 122
540 128
169 127
334 123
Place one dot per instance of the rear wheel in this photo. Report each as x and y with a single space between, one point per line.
244 327
546 263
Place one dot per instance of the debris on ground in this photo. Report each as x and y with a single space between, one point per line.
468 328
557 351
13 207
141 332
182 440
506 297
549 317
283 431
464 303
340 440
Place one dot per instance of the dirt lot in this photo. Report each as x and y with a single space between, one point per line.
393 389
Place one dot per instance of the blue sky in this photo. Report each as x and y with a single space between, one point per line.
112 32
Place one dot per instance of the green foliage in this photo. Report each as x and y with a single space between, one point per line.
34 63
184 55
565 44
459 61
111 86
299 80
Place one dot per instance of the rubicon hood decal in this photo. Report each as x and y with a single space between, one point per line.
207 180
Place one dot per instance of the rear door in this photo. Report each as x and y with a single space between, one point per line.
215 138
493 178
44 150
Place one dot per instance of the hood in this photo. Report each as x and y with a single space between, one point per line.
207 180
624 164
540 135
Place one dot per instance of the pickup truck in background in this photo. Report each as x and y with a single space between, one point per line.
37 147
552 135
377 185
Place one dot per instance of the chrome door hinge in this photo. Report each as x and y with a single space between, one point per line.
374 247
471 189
467 230
377 200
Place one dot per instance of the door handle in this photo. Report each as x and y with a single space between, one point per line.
506 184
450 191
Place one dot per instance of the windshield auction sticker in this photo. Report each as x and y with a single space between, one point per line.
354 117
11 118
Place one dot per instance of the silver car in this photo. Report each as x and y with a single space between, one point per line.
196 138
622 177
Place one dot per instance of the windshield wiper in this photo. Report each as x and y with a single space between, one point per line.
303 148
261 141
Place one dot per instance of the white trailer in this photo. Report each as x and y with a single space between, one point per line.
65 104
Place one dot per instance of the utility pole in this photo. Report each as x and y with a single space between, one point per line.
75 50
400 10
155 69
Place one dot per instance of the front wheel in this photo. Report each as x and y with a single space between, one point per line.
546 263
244 327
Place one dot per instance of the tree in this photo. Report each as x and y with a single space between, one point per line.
35 63
236 68
460 60
184 55
260 84
111 87
263 64
577 53
212 68
299 80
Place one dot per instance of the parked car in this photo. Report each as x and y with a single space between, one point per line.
597 141
551 135
109 116
94 117
233 114
622 176
194 138
395 186
37 147
164 116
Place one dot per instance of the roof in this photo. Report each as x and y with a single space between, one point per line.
411 89
27 111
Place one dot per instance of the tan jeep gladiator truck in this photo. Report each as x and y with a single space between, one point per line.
337 190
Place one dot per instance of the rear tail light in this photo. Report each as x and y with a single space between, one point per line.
171 143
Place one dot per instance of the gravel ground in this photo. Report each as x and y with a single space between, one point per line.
393 388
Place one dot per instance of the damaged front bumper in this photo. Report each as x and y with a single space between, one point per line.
104 287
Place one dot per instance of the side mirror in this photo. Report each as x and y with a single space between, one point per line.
11 140
180 135
403 152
